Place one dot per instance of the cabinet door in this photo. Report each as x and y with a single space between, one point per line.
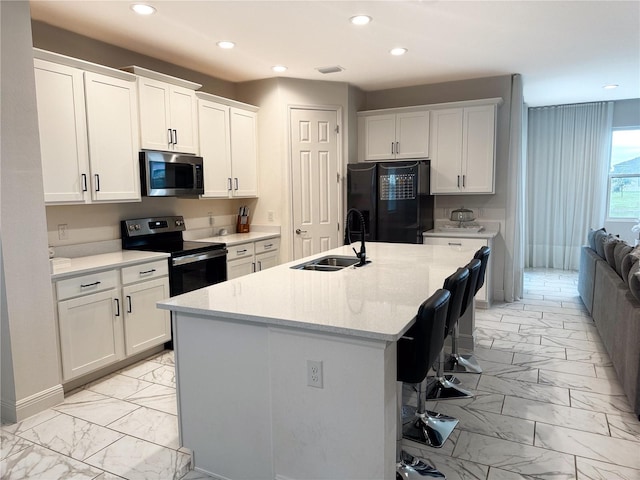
380 137
446 150
154 114
244 154
145 325
412 135
267 260
112 121
63 135
183 119
215 148
478 157
90 333
240 267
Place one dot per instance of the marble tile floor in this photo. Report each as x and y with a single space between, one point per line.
547 406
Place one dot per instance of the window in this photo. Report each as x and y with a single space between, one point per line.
624 174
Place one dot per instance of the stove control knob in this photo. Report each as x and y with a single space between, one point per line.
137 226
179 223
132 228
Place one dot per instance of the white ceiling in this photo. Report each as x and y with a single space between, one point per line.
565 50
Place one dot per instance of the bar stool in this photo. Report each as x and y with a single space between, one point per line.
444 388
456 362
417 351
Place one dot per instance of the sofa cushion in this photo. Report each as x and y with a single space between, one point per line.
621 251
609 249
591 237
627 262
600 237
634 280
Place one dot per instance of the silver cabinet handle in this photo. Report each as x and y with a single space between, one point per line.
241 252
84 182
458 181
268 246
298 231
236 182
170 137
259 266
175 136
229 183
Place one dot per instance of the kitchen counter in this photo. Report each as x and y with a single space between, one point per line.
249 406
104 261
237 238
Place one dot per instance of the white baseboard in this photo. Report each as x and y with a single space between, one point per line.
17 410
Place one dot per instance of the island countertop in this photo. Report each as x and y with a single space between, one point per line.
377 301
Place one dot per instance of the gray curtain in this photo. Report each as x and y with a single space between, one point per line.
567 162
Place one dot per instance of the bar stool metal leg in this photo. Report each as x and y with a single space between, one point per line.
409 467
456 362
430 428
443 388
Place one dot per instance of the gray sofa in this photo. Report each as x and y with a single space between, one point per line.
606 291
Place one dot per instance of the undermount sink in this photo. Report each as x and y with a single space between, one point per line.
330 263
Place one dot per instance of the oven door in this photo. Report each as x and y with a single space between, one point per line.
198 270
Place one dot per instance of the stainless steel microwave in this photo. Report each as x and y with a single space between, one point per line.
164 174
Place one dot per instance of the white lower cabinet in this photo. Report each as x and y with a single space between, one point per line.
90 333
250 257
107 316
145 326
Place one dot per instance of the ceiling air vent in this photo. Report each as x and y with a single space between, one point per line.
334 69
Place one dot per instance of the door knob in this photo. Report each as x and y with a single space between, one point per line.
299 232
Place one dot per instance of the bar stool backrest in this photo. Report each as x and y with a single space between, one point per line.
483 256
455 284
474 267
420 345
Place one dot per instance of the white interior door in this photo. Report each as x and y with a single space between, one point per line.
315 181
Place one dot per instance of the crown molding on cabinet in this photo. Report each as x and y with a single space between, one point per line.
82 64
162 77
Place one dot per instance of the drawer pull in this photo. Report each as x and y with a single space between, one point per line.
451 244
146 272
240 252
268 245
90 284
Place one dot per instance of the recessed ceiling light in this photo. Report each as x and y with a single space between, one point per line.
279 68
226 44
360 19
142 9
611 86
398 51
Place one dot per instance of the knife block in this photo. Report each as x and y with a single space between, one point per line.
242 225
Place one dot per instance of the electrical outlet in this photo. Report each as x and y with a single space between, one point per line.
211 222
314 373
270 215
63 231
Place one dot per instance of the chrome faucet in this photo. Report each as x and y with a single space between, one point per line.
362 254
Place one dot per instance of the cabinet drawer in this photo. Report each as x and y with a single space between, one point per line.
145 271
240 251
471 243
85 284
267 245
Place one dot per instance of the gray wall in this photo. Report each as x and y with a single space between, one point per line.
30 372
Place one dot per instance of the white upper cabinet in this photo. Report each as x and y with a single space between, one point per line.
168 112
463 150
63 132
396 136
228 146
112 120
87 117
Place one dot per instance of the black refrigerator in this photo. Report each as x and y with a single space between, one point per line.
394 199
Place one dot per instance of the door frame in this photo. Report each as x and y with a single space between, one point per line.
340 159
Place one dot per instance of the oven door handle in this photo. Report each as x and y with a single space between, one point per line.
198 257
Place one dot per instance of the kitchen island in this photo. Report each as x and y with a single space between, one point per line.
291 374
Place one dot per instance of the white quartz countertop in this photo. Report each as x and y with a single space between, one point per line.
104 261
237 238
460 233
377 301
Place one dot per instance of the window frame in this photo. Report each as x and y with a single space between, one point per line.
611 176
